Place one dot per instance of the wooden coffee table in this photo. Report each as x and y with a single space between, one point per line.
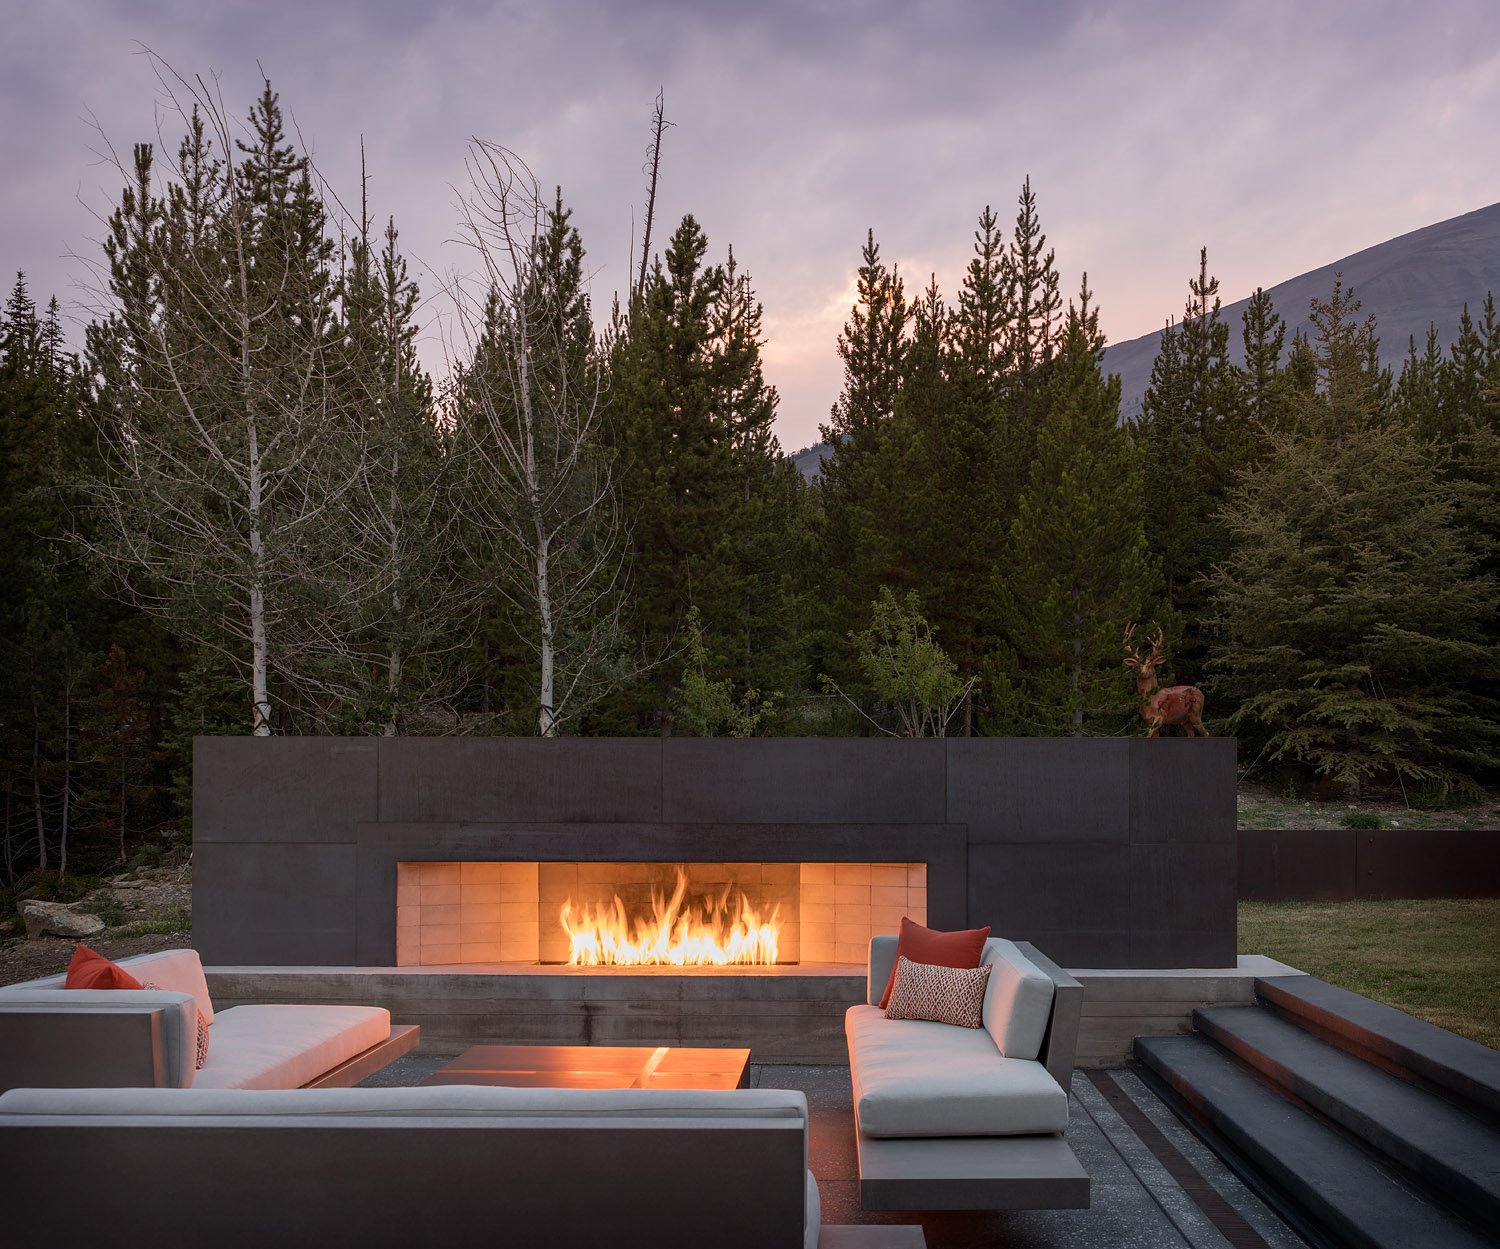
595 1067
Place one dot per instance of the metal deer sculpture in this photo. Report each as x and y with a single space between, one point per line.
1177 704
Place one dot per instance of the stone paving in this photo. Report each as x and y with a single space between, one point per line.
1137 1204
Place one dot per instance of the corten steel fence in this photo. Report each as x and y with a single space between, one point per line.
1343 864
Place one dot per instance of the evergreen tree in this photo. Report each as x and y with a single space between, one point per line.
391 652
972 461
1076 567
1263 334
1196 436
704 487
855 531
1351 610
1036 304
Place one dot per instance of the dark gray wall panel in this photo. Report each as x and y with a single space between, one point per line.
803 780
288 789
519 778
1182 789
1035 888
274 904
1210 948
1183 887
1040 789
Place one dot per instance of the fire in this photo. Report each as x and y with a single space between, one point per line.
707 933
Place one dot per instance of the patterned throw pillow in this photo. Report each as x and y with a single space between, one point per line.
200 1052
942 994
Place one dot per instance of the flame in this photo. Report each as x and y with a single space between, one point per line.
706 934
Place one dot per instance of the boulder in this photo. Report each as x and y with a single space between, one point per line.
58 919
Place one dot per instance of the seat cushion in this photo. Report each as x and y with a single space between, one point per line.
914 1078
283 1047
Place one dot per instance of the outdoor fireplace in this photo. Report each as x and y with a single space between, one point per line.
688 915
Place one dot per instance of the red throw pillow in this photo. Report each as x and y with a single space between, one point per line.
91 970
939 949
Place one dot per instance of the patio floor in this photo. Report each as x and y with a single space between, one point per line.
1155 1185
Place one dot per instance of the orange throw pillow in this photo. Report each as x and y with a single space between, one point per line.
938 949
91 970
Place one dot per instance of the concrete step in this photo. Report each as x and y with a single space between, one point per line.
1452 1152
1316 1170
1390 1038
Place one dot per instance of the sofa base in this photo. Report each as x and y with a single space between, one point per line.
403 1039
970 1173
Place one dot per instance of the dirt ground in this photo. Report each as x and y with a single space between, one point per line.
147 909
1263 806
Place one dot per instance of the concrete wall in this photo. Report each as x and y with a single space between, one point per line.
1104 852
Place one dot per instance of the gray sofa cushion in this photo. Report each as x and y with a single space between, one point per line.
913 1078
1018 1002
284 1047
436 1102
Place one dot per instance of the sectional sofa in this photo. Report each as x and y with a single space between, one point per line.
51 1037
450 1165
951 1118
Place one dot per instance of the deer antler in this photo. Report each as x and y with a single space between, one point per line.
1132 654
1158 643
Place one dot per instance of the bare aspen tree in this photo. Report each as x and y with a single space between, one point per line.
220 392
539 502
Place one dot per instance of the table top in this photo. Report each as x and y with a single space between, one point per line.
595 1067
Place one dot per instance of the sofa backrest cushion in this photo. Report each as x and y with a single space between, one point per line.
1018 1002
174 971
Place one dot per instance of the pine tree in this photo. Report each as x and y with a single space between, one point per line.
1196 435
705 487
1032 278
971 465
389 653
1076 567
855 531
1351 611
1263 335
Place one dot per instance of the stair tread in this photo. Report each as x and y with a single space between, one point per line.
1322 1172
1421 1131
1466 1067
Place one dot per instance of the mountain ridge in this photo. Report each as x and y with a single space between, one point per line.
1423 277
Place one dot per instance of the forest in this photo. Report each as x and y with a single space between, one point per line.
241 505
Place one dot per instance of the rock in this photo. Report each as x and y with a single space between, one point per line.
58 919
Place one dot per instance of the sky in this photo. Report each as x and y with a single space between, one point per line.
1281 134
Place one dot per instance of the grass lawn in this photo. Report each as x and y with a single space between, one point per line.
1438 959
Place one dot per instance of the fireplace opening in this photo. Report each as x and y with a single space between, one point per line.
668 914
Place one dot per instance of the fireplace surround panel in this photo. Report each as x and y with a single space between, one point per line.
1104 852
